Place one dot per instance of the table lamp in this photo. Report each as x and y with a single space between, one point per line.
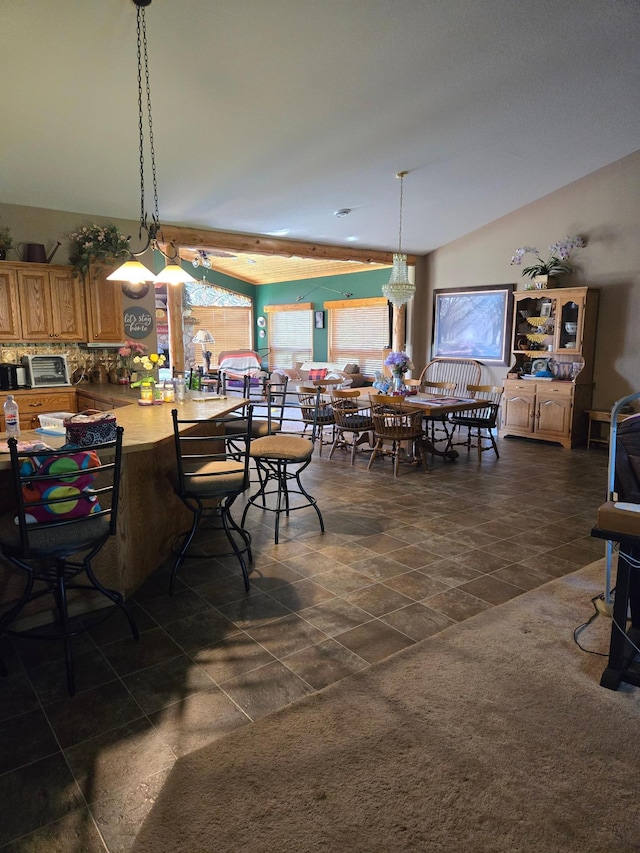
203 337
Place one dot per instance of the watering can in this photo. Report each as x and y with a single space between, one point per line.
35 253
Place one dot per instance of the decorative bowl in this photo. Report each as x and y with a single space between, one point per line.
571 328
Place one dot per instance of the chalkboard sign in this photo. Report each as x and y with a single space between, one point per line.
138 322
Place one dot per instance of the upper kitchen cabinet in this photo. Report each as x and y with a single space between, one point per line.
10 327
104 305
51 304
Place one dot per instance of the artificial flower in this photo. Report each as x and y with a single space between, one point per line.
554 265
399 362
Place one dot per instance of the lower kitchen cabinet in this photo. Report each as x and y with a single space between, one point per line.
38 402
546 410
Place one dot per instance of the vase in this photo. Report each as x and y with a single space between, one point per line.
399 388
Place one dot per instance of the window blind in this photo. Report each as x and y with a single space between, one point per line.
290 334
231 328
358 332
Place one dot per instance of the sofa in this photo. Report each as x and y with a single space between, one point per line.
306 371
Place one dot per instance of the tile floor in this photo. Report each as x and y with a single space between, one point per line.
400 560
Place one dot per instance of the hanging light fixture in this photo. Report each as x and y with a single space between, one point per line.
399 289
133 271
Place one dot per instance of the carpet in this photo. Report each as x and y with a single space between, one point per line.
493 735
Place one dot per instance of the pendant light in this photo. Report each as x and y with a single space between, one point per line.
399 289
133 271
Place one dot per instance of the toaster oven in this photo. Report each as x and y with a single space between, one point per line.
45 371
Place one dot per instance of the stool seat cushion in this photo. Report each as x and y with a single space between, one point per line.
258 428
289 448
215 478
63 538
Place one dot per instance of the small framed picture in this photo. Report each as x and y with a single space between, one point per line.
545 309
319 315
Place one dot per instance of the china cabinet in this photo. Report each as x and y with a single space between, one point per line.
549 387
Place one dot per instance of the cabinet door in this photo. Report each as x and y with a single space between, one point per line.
35 305
104 306
67 305
10 329
553 415
518 410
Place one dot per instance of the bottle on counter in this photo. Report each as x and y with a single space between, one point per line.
11 417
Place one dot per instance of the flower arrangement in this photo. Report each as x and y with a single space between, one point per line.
147 363
6 240
128 352
555 263
97 242
399 362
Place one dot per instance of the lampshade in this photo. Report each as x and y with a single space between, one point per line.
174 274
203 337
132 272
399 289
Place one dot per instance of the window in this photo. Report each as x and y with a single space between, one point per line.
227 315
290 333
359 329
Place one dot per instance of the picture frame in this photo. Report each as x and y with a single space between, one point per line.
473 322
545 309
319 319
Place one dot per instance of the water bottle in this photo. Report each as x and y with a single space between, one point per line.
11 417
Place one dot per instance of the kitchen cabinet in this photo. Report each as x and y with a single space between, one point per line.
103 298
10 327
51 303
38 402
549 386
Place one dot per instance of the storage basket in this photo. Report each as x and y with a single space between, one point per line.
90 427
54 422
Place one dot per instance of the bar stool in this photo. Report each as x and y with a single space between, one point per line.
280 460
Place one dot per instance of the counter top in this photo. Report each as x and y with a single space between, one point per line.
144 426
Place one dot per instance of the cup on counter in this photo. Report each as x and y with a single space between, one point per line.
180 389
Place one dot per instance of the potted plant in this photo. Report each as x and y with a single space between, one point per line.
6 242
555 264
97 243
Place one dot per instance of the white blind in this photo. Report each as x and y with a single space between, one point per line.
290 336
359 332
231 328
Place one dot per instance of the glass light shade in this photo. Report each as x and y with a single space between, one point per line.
132 272
173 274
399 289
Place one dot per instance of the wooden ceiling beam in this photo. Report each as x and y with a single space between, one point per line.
200 238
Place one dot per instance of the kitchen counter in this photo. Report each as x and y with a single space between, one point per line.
150 515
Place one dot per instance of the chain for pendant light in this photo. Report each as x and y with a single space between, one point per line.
142 52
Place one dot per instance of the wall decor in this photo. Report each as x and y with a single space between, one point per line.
137 290
473 322
319 318
138 322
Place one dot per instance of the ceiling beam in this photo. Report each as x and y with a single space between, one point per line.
200 238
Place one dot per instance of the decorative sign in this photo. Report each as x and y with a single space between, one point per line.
138 322
136 291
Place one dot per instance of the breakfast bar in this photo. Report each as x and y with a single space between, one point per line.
150 514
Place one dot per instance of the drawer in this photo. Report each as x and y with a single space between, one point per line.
55 401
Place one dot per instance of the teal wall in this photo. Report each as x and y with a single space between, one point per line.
318 291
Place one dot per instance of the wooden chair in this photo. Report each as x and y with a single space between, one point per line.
353 422
316 413
438 423
484 421
397 424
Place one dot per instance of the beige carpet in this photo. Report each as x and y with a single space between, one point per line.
491 736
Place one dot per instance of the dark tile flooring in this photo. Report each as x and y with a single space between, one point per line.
400 560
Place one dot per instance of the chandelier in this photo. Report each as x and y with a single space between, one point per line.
132 270
399 289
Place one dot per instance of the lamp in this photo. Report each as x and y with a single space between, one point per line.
203 337
399 289
133 271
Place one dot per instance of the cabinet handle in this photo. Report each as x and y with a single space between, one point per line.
35 405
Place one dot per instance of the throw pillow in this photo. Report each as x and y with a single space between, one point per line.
317 373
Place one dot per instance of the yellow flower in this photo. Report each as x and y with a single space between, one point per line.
154 357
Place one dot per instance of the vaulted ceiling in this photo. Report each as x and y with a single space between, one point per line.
271 116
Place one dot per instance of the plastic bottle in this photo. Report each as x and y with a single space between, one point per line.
11 417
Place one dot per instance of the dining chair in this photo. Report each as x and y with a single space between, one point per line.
212 470
399 425
483 421
280 459
353 421
316 412
66 509
438 424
